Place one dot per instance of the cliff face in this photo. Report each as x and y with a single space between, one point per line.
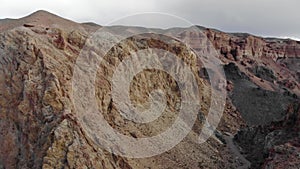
273 145
271 63
37 127
38 123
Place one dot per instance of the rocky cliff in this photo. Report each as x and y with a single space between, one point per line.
275 145
39 127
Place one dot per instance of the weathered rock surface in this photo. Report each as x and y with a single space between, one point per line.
38 123
275 145
258 106
266 61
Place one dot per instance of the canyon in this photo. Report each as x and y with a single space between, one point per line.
39 127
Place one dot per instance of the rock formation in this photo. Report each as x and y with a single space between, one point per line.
39 127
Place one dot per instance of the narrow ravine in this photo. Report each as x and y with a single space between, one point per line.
235 151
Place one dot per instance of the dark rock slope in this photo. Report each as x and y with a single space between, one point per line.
275 145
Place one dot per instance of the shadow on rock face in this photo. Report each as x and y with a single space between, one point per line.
257 106
273 144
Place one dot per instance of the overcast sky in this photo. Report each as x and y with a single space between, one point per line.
280 18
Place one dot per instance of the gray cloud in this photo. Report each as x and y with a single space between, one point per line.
261 17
